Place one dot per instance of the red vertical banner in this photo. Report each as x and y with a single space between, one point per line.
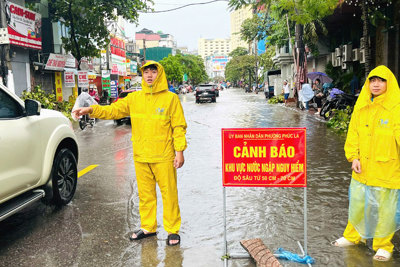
264 157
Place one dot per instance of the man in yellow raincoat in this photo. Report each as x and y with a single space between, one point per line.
158 137
373 146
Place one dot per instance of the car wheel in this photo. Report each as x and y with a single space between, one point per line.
64 177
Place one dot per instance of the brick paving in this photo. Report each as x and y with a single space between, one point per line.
260 253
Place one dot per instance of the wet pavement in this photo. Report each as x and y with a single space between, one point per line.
93 230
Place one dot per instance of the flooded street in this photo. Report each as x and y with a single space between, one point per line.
93 230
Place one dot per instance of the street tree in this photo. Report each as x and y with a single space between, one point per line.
194 67
241 68
173 68
239 51
87 20
297 12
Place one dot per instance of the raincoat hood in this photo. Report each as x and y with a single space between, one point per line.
160 84
389 99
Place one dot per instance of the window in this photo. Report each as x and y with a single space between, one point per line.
9 108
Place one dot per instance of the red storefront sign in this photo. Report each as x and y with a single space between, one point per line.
55 62
83 78
69 79
264 157
24 26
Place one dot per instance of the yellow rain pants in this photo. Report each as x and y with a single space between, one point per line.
164 174
351 234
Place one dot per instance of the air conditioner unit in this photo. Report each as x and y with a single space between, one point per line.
338 52
362 56
355 54
344 65
333 59
338 62
346 53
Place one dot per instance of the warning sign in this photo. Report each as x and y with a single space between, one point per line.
264 157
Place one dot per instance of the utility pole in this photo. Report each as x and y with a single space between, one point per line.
255 57
4 47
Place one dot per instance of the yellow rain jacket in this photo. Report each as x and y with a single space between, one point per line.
158 124
374 134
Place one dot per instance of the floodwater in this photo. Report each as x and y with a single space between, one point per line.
93 230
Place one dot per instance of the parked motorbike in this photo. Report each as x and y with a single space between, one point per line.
337 100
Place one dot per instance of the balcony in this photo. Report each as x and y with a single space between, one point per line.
283 55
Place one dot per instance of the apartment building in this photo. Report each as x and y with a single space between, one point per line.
208 47
237 18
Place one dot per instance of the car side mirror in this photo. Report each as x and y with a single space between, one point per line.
32 107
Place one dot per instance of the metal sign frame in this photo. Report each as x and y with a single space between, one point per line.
228 256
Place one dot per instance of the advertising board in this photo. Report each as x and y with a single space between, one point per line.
23 26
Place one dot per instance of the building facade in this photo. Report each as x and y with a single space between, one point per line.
208 47
237 18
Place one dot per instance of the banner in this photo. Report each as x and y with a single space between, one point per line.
24 26
58 82
264 157
69 79
83 78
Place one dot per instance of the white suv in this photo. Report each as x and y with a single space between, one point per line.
38 155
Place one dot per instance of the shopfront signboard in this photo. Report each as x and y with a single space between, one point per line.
23 26
83 78
69 79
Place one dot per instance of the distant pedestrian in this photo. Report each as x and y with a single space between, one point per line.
158 135
286 91
266 90
373 147
318 95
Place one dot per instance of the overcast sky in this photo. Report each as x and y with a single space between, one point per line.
188 24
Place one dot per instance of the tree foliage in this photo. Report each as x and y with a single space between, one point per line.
173 68
274 23
240 68
265 59
194 67
176 66
86 21
239 51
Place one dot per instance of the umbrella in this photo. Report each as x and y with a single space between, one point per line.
306 93
319 75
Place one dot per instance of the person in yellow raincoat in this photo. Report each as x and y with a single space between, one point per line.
373 147
158 138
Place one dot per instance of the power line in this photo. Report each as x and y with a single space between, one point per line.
193 4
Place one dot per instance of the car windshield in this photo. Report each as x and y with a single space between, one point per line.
205 87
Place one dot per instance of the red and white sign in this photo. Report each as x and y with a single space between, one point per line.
24 26
56 62
264 157
83 78
114 68
69 79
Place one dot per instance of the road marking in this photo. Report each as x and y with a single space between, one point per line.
86 170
